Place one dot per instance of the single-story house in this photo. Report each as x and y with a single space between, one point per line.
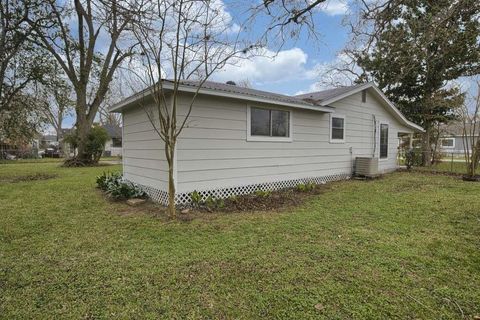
113 147
239 140
452 139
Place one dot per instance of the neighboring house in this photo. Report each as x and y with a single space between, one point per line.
453 139
113 147
240 139
49 140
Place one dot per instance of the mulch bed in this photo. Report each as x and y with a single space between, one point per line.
273 201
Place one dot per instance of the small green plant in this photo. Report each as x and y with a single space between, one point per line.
263 194
210 202
301 187
196 198
310 186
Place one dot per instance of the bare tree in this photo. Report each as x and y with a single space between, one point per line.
89 40
56 100
183 40
470 119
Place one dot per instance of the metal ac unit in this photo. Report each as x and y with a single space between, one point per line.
367 167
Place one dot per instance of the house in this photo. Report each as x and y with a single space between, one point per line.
453 139
113 147
239 139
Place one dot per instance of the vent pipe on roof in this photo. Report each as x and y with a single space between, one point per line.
232 83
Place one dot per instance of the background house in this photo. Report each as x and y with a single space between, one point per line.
239 140
452 140
113 147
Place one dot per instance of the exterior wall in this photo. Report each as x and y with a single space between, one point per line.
144 160
360 129
458 147
114 151
213 152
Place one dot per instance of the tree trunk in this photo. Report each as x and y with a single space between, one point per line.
426 147
83 127
170 154
474 160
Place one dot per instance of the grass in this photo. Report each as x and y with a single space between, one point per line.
405 246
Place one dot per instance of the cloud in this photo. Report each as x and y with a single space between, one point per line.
287 65
335 7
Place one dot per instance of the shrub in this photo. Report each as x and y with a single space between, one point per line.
413 157
118 189
196 198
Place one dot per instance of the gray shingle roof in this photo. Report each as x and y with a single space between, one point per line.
247 92
324 95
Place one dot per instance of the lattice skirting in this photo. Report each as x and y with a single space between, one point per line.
161 196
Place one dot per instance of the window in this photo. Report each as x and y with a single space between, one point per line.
383 141
448 142
364 96
269 124
116 143
337 129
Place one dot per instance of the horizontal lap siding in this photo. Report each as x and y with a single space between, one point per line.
214 153
360 115
143 152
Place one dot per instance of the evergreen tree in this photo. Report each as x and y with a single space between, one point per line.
421 46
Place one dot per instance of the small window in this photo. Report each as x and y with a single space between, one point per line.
337 128
116 143
448 142
364 96
269 123
383 141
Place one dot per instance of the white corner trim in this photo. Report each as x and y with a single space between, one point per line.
334 115
268 138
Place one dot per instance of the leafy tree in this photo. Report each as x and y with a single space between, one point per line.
420 46
95 144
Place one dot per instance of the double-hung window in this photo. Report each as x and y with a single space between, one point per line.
269 124
337 129
383 140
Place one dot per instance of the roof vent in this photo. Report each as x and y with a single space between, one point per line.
232 83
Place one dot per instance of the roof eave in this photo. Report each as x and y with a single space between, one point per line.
185 88
401 117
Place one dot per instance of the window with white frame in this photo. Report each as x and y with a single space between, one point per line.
269 124
337 128
448 143
383 140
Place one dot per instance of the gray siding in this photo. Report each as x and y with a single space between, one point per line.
213 152
143 151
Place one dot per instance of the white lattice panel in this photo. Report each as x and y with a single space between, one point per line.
161 196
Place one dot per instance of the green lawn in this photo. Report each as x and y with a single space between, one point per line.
405 246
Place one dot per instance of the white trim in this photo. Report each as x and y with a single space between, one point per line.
379 92
268 138
334 115
380 140
447 147
167 86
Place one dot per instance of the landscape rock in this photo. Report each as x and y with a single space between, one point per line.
135 202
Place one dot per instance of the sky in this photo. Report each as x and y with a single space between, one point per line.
294 69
